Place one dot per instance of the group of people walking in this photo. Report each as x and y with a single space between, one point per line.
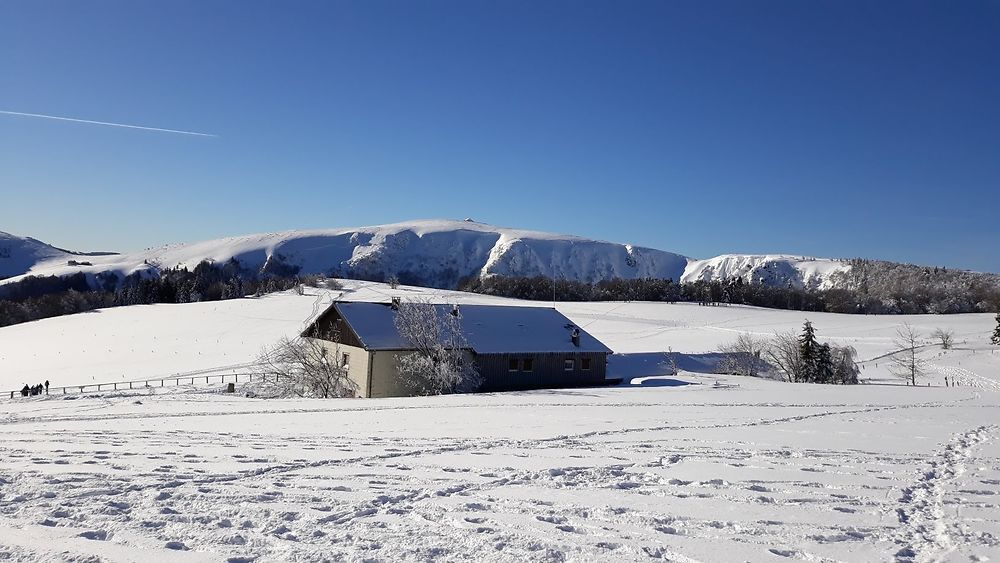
33 390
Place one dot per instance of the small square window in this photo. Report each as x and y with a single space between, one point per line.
512 365
585 364
569 364
528 364
347 359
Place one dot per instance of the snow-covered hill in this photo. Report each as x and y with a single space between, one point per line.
434 253
19 255
768 269
431 253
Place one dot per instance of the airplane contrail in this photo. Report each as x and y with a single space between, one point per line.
22 114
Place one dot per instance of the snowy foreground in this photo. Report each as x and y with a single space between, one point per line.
686 468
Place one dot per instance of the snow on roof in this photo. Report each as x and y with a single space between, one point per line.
489 329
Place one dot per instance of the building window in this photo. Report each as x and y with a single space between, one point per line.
528 364
569 364
346 359
585 364
512 364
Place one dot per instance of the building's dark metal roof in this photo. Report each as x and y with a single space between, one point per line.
488 329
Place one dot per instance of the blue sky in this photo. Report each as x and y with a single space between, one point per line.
824 128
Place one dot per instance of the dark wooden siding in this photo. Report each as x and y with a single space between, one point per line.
331 326
548 370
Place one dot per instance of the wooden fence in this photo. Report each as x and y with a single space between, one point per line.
172 381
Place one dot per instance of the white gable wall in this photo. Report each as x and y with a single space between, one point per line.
358 364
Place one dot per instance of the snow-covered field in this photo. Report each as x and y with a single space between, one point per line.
687 468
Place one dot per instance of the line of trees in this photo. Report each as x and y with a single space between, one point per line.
976 296
797 359
40 297
736 291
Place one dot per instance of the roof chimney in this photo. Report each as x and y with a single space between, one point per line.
395 304
575 337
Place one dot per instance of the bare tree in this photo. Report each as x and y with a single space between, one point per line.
440 362
744 356
905 362
669 363
784 354
945 337
302 367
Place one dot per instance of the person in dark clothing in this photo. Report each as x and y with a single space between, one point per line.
46 386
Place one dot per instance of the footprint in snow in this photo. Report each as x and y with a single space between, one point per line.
176 545
472 520
551 519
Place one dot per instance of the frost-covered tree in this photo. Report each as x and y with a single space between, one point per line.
303 367
440 362
904 362
744 356
996 333
785 354
845 370
945 337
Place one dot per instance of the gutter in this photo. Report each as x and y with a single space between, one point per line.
371 366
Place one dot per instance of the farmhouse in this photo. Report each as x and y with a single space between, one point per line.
512 347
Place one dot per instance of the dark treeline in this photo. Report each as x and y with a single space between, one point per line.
919 300
876 286
540 288
37 297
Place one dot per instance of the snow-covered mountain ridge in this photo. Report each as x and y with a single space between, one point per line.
434 253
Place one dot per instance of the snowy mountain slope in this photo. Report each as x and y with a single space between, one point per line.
768 269
434 253
431 253
19 255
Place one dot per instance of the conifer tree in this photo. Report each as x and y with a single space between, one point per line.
996 333
809 353
824 364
